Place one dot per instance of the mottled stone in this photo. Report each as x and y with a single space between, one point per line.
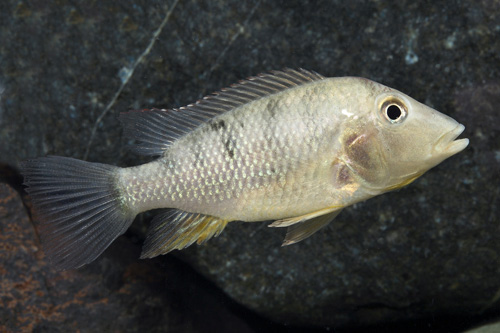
487 328
427 251
116 294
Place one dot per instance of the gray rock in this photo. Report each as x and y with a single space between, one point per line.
487 328
428 250
118 293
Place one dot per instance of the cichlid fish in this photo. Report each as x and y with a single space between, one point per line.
289 146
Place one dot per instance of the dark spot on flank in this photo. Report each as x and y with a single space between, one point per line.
197 153
272 112
343 177
271 108
217 125
229 149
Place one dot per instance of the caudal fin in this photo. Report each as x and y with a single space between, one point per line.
78 207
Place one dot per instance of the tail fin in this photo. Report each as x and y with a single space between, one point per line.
78 206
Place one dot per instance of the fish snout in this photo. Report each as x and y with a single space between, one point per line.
447 145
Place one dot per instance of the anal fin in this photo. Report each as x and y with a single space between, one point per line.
177 229
301 231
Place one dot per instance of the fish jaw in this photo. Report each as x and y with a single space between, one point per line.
447 146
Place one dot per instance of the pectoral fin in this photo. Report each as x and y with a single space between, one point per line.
300 231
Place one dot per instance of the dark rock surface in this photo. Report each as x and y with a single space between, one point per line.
117 294
428 251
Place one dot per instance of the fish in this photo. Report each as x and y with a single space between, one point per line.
290 146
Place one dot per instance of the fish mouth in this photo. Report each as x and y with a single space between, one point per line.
447 145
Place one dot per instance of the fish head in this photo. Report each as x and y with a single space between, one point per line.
411 137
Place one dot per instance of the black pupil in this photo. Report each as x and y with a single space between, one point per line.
393 112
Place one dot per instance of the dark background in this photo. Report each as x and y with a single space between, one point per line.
425 258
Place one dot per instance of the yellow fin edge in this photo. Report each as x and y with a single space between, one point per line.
404 183
178 230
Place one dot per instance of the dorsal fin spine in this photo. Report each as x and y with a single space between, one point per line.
157 129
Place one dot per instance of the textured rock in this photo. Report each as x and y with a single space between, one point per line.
429 250
118 293
488 328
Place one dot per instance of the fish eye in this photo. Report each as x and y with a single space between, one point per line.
394 110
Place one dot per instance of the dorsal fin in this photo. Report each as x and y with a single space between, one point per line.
177 229
156 129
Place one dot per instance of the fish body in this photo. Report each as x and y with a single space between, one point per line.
268 159
290 146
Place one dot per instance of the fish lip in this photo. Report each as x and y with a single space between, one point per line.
447 144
